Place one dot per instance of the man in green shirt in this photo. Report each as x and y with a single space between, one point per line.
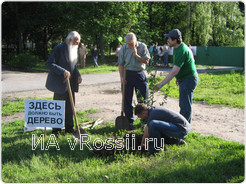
184 70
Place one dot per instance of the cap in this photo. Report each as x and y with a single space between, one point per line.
175 33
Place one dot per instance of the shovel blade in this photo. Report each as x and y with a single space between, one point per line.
121 122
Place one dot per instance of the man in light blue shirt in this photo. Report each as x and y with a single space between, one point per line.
133 56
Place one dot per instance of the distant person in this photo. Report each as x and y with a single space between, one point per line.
133 56
161 55
62 65
82 55
94 53
166 49
162 123
155 52
184 70
118 50
151 51
151 48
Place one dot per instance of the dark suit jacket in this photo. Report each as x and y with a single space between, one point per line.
57 63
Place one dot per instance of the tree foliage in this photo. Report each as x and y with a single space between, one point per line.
47 23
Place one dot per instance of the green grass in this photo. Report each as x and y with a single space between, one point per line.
39 67
17 105
103 68
12 107
224 88
108 65
203 160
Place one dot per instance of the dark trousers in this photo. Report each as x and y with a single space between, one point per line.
68 112
137 81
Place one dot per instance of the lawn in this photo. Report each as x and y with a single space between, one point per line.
14 106
109 64
203 160
103 68
223 88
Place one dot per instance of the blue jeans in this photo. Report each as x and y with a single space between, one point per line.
95 61
161 129
135 81
186 91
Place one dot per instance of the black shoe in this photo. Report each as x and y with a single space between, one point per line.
70 131
56 133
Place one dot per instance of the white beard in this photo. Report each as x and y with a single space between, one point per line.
73 53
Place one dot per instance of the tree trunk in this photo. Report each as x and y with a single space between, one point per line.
45 43
102 46
19 34
150 19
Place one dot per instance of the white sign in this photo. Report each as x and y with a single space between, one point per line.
44 113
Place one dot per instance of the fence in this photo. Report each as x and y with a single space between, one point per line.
220 56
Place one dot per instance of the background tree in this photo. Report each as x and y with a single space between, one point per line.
45 24
228 23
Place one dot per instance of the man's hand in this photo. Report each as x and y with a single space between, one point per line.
157 87
168 78
123 82
133 46
67 74
79 80
145 135
134 50
143 144
121 71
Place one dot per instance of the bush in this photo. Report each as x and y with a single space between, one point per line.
21 60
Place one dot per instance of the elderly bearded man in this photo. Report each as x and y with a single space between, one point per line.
62 64
133 56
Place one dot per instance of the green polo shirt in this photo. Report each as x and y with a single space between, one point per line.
183 58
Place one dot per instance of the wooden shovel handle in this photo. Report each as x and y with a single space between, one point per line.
72 104
123 93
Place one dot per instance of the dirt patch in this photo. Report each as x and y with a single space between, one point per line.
110 92
223 122
10 99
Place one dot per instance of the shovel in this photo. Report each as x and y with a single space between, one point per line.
72 105
122 122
